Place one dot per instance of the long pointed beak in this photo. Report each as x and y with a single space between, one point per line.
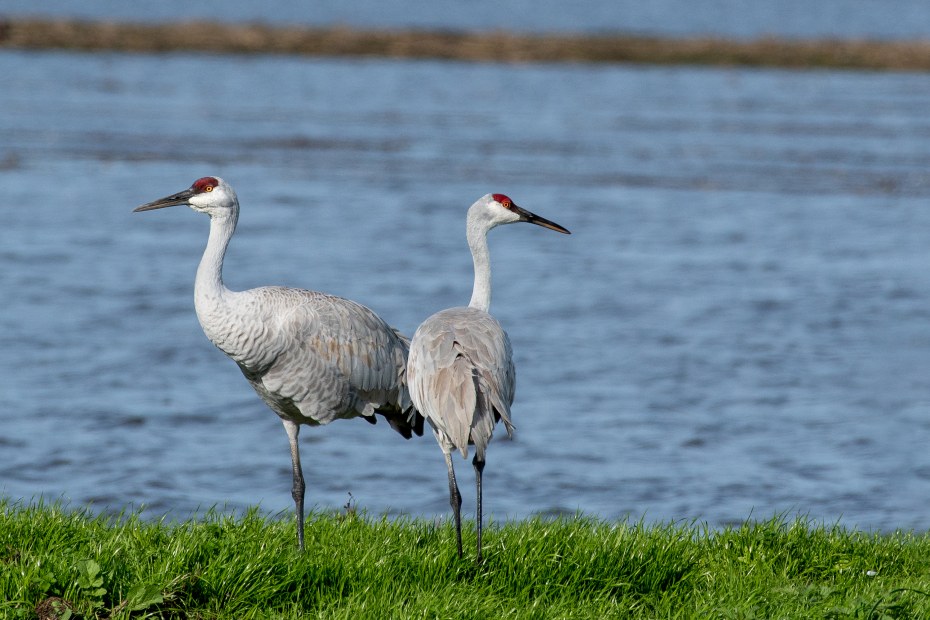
181 198
532 218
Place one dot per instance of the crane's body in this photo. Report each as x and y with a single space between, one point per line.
462 366
460 369
311 357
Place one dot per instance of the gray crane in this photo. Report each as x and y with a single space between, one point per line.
460 370
311 357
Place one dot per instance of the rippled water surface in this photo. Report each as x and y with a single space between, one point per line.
738 325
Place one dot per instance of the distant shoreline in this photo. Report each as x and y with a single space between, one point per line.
493 46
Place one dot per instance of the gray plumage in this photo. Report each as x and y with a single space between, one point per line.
311 357
460 370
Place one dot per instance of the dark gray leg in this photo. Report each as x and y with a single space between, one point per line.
479 468
455 500
297 490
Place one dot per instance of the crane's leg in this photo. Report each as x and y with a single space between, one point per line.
297 490
455 500
479 469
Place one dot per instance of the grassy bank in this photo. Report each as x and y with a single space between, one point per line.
215 37
56 563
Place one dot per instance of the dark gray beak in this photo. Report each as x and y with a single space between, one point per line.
181 198
532 218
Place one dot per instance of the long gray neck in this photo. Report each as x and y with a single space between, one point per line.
477 236
208 286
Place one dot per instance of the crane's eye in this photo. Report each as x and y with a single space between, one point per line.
206 184
503 200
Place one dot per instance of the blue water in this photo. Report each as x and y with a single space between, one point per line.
737 326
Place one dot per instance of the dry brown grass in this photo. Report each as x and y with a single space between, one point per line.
494 46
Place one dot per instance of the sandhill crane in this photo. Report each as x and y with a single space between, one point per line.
460 369
313 358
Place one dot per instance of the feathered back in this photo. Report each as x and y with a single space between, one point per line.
461 377
314 357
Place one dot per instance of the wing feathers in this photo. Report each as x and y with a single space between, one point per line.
333 358
461 376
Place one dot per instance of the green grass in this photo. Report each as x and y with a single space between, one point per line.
70 563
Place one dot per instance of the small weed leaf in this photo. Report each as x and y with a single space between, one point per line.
89 579
143 596
45 580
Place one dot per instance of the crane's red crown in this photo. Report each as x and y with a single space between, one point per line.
505 201
206 184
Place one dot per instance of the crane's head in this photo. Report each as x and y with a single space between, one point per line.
211 195
495 209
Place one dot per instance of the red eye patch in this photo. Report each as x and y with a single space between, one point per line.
505 201
206 184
